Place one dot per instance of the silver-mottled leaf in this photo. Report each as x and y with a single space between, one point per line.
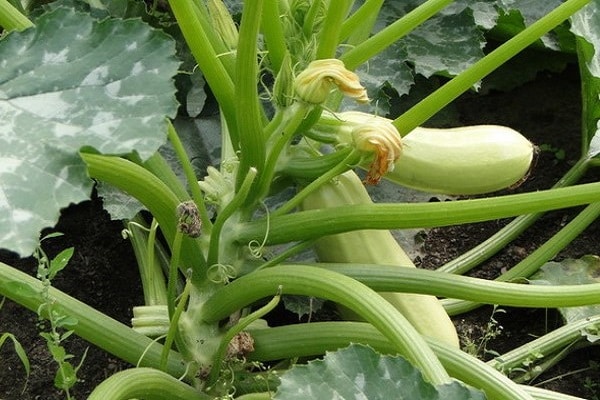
68 83
358 372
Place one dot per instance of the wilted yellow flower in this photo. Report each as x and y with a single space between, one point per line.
376 135
314 84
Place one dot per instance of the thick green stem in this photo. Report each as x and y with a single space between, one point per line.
203 49
92 325
547 344
150 191
146 383
303 340
466 261
554 245
380 41
151 273
329 35
427 107
248 112
310 18
346 164
315 223
309 168
541 255
191 178
242 324
159 167
11 19
356 22
291 118
228 211
174 272
311 281
387 278
586 56
173 333
273 33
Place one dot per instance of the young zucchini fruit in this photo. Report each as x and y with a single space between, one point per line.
463 161
377 247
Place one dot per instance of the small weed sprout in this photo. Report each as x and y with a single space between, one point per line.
60 324
559 154
478 348
591 386
18 348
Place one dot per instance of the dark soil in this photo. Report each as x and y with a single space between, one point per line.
103 271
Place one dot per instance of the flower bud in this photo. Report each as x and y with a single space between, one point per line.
224 25
314 84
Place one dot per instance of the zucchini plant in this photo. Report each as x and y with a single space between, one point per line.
285 76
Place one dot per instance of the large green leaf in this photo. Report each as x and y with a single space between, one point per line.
580 271
358 372
522 13
586 26
74 82
446 44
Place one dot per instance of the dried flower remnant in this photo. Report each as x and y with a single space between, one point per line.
189 221
314 84
240 346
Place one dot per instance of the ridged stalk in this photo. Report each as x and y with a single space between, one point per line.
146 383
317 337
311 281
310 224
92 325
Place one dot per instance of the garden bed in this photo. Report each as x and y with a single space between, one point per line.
103 271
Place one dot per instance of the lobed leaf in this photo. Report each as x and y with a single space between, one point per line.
73 82
571 272
358 372
586 26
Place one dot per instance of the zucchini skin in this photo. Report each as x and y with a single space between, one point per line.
425 312
463 161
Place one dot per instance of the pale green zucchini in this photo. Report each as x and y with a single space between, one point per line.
377 247
466 160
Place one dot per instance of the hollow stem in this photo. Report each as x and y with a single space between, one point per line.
290 120
152 192
310 224
228 211
549 343
242 324
347 163
541 255
386 278
151 273
273 33
172 333
247 108
329 35
92 325
466 261
11 19
191 178
368 11
146 383
311 281
198 37
302 340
